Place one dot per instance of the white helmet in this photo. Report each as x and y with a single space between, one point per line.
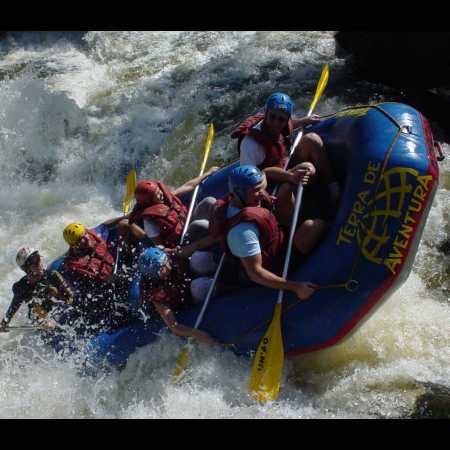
23 254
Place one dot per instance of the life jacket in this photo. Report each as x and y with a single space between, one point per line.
169 215
173 292
271 235
97 262
275 147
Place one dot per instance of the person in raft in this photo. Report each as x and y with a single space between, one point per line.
98 296
43 291
264 141
167 287
246 227
159 216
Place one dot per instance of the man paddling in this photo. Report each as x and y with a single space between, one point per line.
246 227
159 216
98 294
264 139
44 292
166 286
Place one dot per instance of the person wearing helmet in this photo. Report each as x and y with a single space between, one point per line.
44 292
99 294
89 265
89 256
159 216
248 230
264 141
166 287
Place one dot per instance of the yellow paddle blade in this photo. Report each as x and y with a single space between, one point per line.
268 362
131 185
208 143
321 85
181 363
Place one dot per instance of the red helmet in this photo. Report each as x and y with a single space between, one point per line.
145 192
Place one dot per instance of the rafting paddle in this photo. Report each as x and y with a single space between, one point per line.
182 358
208 143
269 358
131 185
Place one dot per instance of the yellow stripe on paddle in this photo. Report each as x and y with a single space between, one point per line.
268 362
208 143
321 85
131 186
267 365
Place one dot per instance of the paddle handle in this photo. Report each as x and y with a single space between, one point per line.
210 291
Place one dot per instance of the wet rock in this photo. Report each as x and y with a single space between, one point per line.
433 404
417 63
400 58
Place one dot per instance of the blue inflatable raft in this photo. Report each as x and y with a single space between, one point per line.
383 155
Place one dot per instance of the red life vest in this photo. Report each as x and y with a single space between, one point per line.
275 147
170 216
97 262
173 292
271 235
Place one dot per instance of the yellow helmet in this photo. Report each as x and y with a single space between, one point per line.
73 233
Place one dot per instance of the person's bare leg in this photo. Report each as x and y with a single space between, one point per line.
309 234
285 204
311 148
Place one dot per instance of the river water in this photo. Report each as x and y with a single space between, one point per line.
77 111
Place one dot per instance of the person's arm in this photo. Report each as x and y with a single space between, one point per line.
279 175
200 244
191 184
12 310
181 330
258 274
137 231
304 121
64 292
295 175
112 222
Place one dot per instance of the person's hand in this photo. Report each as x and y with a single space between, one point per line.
205 338
48 325
211 170
51 292
176 251
311 120
302 173
304 290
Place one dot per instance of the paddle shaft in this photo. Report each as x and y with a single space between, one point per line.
298 202
202 169
131 184
22 327
210 291
191 209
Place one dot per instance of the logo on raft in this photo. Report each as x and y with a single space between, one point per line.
384 223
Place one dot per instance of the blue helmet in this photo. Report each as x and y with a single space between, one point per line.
242 178
150 261
281 102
